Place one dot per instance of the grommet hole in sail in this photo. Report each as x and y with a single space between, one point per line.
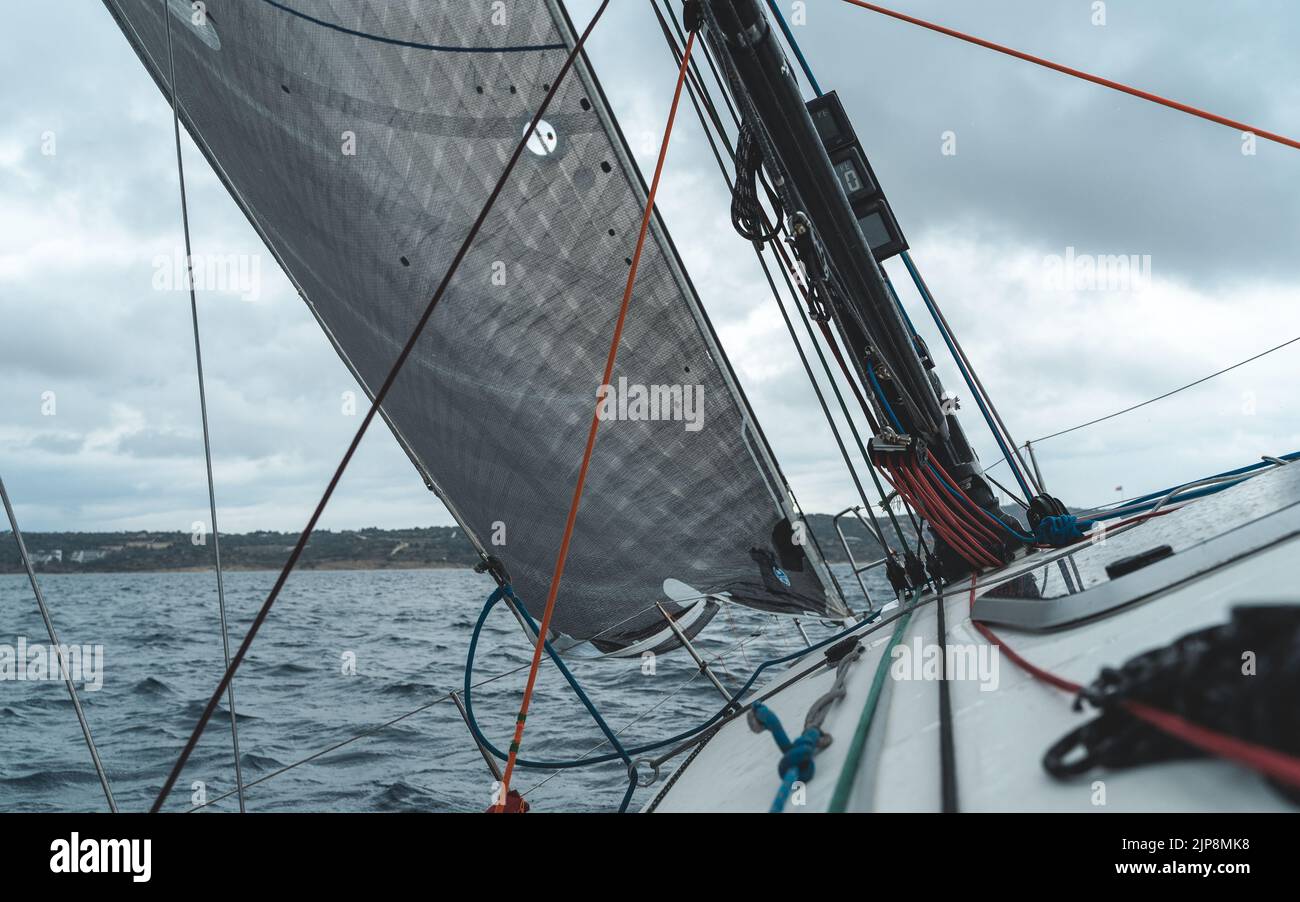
194 15
544 140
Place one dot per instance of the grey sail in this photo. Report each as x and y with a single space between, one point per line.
361 138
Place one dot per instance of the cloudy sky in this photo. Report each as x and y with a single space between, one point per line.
1043 164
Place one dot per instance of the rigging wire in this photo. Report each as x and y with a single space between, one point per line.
789 279
1077 73
58 649
696 104
371 731
982 399
594 429
203 404
375 405
1167 394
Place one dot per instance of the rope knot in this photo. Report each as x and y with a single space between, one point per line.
798 757
1061 530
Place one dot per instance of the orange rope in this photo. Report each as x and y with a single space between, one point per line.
1077 73
563 555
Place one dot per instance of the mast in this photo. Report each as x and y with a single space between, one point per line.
826 229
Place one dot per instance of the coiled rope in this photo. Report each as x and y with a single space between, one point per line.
796 764
1270 762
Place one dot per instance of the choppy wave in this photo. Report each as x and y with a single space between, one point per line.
162 660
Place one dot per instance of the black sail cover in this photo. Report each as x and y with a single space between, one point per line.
361 138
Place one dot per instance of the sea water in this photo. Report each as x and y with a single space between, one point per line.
343 652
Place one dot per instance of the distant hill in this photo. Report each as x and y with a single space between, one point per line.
116 552
362 549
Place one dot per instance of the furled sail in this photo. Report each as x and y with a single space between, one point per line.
361 138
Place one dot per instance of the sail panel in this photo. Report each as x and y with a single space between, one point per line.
361 138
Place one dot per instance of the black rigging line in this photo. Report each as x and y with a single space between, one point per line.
747 215
711 108
416 45
707 329
379 398
695 102
203 404
947 746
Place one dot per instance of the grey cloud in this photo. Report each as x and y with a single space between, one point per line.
1044 163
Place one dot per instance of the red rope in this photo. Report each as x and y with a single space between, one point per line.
940 512
1077 73
957 486
903 485
563 556
1267 761
940 492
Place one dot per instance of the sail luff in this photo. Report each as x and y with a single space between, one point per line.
770 468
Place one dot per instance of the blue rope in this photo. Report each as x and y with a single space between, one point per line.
794 45
1128 506
880 393
796 764
507 592
916 279
622 753
1015 534
893 293
966 376
1061 530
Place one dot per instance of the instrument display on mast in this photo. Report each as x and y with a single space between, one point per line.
854 173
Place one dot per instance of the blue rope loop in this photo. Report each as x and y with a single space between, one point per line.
506 591
1061 530
622 753
796 764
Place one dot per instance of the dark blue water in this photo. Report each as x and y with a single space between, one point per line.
408 631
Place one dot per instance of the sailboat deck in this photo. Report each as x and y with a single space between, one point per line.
1005 722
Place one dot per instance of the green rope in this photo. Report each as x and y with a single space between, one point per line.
852 761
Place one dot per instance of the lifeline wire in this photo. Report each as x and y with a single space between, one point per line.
378 401
1167 394
54 643
203 407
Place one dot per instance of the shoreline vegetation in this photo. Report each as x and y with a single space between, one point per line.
436 547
